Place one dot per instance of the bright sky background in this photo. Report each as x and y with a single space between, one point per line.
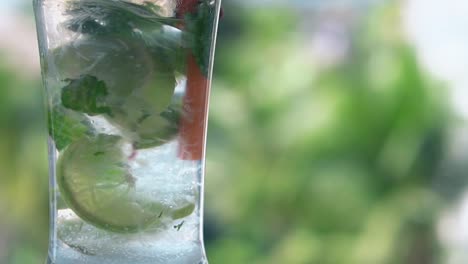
9 4
438 31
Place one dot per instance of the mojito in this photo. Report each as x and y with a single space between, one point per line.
127 86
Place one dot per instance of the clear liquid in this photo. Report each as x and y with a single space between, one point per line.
126 138
178 241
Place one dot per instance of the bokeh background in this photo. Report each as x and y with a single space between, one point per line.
337 134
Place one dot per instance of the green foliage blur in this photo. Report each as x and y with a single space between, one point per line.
307 162
23 169
311 164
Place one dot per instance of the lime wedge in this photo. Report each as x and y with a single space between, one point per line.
96 183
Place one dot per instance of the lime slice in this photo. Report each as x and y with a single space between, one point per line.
139 83
118 63
127 67
96 183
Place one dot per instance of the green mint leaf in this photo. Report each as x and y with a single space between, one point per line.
199 26
66 126
133 25
86 94
99 17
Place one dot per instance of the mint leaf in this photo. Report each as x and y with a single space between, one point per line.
86 94
199 26
99 17
66 126
130 22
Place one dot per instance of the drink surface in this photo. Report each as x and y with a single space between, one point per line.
126 86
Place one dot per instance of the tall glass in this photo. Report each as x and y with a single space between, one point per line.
127 86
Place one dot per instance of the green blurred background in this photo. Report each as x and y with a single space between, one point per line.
337 135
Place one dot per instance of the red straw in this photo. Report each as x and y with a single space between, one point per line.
186 6
193 121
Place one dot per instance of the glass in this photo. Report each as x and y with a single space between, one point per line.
127 86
